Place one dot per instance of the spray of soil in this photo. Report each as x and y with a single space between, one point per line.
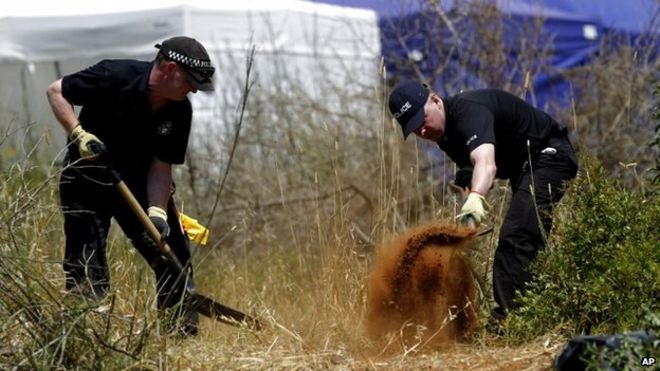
421 289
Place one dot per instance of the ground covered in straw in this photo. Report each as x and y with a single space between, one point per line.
484 353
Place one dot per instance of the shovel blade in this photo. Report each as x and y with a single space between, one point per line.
212 309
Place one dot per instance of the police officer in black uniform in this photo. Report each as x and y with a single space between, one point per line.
498 135
139 112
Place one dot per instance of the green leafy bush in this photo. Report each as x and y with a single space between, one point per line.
601 273
627 355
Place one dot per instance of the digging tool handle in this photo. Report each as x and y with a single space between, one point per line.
202 304
136 207
148 225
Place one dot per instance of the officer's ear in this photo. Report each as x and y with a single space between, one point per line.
170 66
166 67
433 98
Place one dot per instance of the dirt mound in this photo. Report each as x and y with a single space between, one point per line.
421 287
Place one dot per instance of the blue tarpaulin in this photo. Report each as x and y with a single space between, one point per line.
575 29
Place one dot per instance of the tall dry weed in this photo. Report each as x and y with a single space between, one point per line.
313 189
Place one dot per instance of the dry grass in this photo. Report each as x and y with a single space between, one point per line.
313 189
317 321
295 250
237 352
310 293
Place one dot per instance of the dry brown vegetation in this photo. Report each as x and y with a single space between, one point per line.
313 188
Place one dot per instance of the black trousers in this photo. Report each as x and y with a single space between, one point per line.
521 237
89 201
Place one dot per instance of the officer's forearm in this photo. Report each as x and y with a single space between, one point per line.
62 109
483 176
159 184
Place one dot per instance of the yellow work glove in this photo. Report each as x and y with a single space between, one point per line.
89 146
473 207
158 217
196 232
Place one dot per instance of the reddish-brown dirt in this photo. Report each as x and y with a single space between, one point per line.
421 287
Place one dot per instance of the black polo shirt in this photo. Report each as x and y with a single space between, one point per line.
115 107
494 116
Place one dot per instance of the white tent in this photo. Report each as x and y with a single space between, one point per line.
43 40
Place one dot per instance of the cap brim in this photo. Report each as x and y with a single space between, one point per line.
198 82
205 86
415 122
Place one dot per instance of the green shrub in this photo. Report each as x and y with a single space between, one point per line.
627 356
601 273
